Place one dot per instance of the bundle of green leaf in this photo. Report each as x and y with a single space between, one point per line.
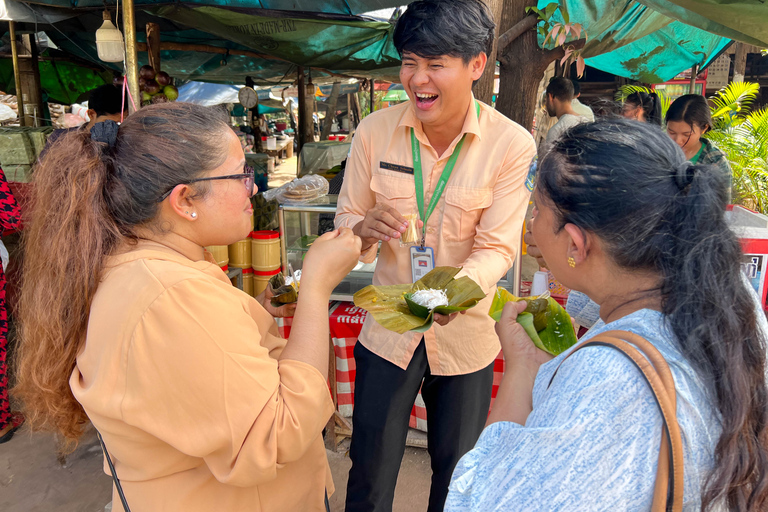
411 307
544 320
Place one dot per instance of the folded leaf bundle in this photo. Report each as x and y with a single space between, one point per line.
394 309
282 293
544 320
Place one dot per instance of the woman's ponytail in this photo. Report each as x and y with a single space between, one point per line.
71 232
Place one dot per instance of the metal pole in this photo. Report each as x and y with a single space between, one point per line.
372 95
694 73
16 74
131 59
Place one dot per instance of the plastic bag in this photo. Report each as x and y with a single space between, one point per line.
301 190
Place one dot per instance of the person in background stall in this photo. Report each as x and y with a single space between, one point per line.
623 217
10 219
642 106
688 120
441 138
578 107
129 323
104 103
558 103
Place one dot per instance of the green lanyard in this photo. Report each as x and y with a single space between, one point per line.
419 180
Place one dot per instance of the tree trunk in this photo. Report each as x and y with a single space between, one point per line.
740 62
484 87
330 113
523 65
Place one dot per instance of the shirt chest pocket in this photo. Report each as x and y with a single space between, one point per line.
463 208
399 193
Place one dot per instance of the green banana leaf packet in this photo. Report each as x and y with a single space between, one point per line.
544 320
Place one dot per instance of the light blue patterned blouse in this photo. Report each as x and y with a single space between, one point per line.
592 440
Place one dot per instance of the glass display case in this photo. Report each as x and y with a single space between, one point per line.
301 224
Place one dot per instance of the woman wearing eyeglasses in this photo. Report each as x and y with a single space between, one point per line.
129 323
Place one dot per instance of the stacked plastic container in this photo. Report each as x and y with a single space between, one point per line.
265 258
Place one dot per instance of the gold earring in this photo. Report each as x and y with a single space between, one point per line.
571 262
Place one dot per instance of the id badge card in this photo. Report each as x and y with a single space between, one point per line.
422 261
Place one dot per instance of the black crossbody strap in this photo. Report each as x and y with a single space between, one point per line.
114 474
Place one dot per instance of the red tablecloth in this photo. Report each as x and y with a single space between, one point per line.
346 322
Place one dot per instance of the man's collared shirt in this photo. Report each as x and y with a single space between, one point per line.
476 225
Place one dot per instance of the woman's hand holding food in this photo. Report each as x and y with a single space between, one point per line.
519 350
329 260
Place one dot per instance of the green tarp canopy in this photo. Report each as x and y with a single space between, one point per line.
654 40
327 43
63 82
322 6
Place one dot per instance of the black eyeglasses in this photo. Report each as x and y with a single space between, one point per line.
248 180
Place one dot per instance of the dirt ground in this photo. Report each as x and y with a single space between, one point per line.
33 480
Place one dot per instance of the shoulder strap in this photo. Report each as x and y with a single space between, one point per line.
114 474
668 490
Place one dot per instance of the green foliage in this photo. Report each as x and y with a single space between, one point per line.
742 134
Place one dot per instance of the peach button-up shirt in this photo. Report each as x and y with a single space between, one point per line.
180 374
476 225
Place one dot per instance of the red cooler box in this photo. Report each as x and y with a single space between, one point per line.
752 229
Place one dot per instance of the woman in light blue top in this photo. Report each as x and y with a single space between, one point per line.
622 217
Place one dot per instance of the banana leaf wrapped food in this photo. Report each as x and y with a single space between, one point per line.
544 320
407 307
283 292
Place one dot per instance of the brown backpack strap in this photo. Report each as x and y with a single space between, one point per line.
668 489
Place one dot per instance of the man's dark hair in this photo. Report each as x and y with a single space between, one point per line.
458 28
576 87
106 100
561 88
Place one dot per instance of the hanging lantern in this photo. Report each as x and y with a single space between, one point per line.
109 41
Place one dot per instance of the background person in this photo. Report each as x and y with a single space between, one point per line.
129 323
642 106
578 107
688 119
558 103
104 103
624 218
444 46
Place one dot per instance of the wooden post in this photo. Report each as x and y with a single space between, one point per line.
373 94
153 45
351 115
740 62
255 120
17 73
30 82
302 108
694 73
131 59
330 112
306 126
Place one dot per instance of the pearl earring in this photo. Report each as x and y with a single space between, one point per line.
194 215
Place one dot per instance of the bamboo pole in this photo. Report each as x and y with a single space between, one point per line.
16 73
131 59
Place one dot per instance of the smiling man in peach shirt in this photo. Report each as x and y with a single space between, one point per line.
474 165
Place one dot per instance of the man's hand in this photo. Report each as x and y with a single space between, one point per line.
382 222
446 319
